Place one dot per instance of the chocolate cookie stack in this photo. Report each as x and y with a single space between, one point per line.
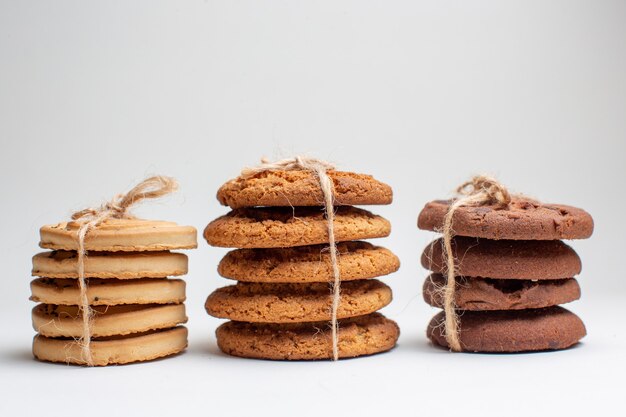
281 306
513 272
136 309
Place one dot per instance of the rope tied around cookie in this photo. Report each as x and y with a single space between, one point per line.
479 191
89 219
319 168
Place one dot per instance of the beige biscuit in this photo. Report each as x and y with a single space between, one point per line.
359 336
116 350
110 292
357 260
120 265
302 188
65 321
294 303
278 227
127 235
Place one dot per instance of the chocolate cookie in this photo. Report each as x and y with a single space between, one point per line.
65 321
120 265
109 292
302 188
286 227
114 350
523 219
127 235
507 259
358 336
551 328
502 294
294 303
357 260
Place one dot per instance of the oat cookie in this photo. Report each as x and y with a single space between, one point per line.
278 227
359 336
357 260
293 303
302 188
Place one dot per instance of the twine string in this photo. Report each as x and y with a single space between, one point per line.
319 168
90 219
480 190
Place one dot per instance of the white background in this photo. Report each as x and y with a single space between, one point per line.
94 96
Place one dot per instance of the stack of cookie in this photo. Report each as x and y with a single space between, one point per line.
513 272
281 306
137 309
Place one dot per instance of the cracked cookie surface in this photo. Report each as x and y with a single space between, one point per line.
302 188
481 294
287 227
357 260
294 303
359 336
523 219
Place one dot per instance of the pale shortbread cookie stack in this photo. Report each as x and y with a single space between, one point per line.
138 311
281 306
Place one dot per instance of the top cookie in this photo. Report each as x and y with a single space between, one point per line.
302 188
128 235
523 219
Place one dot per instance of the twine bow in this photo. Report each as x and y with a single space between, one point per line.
89 219
479 191
319 168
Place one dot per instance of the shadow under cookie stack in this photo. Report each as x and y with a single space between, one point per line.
280 307
136 309
512 272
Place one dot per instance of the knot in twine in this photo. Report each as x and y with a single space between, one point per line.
479 191
89 219
319 168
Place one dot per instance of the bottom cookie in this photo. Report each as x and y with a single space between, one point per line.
512 331
115 350
358 336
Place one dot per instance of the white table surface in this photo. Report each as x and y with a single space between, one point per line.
413 379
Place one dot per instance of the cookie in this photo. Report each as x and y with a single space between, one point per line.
109 292
358 336
551 328
286 227
128 235
294 303
65 321
502 294
357 260
523 219
120 265
115 350
302 188
507 259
